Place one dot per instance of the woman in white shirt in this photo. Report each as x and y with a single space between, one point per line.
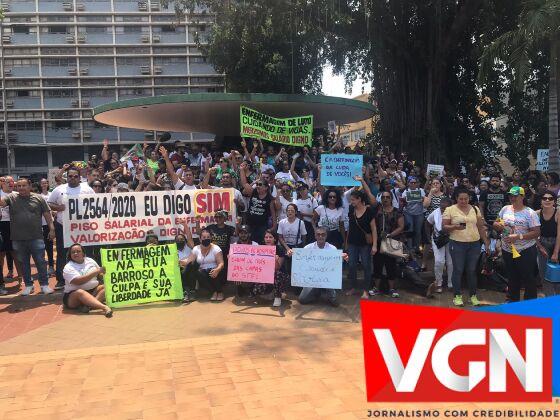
210 265
330 215
306 204
82 289
291 233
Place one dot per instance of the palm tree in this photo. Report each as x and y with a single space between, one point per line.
539 22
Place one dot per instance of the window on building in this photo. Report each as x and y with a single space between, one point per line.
133 50
24 158
25 115
135 92
21 62
95 30
99 93
53 115
171 81
138 18
95 51
60 93
25 125
20 29
58 29
20 19
170 90
59 62
58 50
22 83
200 60
20 51
134 81
206 81
97 61
170 50
56 18
133 61
59 82
94 18
98 82
170 60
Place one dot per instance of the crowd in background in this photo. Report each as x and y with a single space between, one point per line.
463 219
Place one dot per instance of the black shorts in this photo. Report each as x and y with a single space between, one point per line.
66 296
6 242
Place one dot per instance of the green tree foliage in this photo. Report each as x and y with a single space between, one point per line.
422 58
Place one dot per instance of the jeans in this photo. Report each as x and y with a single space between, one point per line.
60 252
356 252
32 248
465 258
310 294
442 257
521 271
414 223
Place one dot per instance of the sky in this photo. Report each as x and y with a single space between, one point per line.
334 85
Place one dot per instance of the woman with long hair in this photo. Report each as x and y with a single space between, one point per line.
465 226
210 265
330 215
548 243
281 278
82 289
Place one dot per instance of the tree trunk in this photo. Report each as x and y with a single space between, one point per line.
553 160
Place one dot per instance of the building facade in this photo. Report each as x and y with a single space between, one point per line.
61 58
351 134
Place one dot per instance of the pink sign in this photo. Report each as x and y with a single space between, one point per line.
251 263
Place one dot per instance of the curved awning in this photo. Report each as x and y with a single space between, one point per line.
218 113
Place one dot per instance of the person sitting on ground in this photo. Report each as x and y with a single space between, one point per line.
211 264
310 294
82 289
185 245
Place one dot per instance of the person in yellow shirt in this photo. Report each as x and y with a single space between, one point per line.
465 226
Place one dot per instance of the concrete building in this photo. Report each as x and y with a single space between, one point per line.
60 58
350 134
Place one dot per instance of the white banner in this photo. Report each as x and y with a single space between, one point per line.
119 218
542 160
317 268
434 170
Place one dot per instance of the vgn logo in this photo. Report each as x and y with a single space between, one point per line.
427 354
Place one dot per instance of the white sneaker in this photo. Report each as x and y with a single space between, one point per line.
46 290
27 291
277 302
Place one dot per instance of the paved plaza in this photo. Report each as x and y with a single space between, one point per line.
238 359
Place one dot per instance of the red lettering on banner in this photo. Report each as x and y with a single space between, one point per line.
417 353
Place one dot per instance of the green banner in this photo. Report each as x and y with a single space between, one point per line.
141 275
295 131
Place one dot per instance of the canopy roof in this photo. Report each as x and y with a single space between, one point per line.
218 113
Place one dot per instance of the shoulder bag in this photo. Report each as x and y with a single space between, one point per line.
369 236
390 246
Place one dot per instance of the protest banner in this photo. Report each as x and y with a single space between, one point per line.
103 219
340 170
542 160
295 131
434 170
332 127
251 263
317 268
141 275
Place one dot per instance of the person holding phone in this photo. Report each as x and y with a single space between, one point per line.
465 226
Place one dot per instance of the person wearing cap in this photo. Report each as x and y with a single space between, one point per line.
412 199
465 226
177 156
520 227
122 187
222 234
285 198
244 236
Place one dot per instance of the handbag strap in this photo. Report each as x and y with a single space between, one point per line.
358 223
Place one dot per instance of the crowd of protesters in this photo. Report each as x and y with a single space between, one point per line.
454 216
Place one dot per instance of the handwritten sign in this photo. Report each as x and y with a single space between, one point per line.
340 170
103 219
317 268
141 275
542 160
251 263
434 170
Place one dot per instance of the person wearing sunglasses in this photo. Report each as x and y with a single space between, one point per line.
548 244
56 203
330 215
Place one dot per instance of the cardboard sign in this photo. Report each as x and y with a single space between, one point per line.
434 170
116 218
542 160
340 170
296 131
250 263
141 275
317 268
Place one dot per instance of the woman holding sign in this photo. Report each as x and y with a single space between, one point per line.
210 265
82 289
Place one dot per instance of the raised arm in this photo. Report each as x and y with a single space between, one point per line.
169 165
247 189
105 151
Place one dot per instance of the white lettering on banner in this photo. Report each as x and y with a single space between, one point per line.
104 219
501 349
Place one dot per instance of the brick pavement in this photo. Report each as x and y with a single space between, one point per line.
236 359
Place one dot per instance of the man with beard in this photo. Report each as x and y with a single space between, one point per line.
492 200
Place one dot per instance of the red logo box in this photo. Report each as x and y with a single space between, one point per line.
426 354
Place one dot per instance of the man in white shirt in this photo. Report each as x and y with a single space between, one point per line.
56 202
310 294
187 183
